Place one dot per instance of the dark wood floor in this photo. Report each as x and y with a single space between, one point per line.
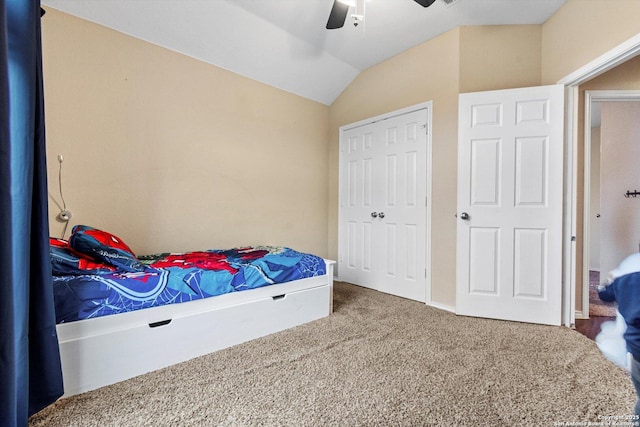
591 327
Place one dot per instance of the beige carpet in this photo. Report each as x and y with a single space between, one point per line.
380 361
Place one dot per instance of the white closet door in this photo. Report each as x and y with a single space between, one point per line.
359 168
383 205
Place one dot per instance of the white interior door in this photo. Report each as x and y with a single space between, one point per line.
382 221
509 225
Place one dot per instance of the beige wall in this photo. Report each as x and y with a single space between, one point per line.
582 30
173 154
499 57
437 71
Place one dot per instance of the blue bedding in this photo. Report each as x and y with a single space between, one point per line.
175 278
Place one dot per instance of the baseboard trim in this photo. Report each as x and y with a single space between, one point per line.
580 314
444 307
439 306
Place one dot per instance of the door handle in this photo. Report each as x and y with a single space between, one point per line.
464 216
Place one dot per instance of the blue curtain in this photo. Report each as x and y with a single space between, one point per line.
30 373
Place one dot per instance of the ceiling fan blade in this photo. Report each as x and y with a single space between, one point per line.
425 3
338 15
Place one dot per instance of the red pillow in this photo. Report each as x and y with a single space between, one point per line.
104 247
66 261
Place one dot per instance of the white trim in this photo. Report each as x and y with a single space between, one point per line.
611 95
429 202
444 307
570 202
580 314
428 106
586 204
614 57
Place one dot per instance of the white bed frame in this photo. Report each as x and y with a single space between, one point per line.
105 350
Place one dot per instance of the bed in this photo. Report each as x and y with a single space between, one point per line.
119 315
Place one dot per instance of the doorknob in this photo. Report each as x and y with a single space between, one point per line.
374 215
381 215
464 216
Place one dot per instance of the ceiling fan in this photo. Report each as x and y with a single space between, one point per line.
340 9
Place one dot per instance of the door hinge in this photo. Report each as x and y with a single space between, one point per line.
426 128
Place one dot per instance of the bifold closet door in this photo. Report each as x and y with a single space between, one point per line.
383 205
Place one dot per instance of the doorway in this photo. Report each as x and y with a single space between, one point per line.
611 231
614 57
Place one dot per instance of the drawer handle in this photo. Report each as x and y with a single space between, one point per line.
160 323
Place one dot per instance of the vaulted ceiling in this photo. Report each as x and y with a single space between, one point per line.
284 43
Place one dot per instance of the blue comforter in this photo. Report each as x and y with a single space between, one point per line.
175 278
